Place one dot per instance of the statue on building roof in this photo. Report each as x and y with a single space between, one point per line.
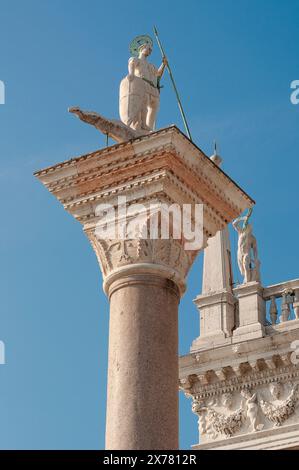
248 261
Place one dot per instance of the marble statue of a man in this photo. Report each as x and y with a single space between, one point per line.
248 261
139 90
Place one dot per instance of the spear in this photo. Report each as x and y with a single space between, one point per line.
174 85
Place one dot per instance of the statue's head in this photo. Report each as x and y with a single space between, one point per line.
247 229
227 400
275 390
145 50
198 405
246 222
141 45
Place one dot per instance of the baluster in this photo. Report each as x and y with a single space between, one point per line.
296 304
273 310
285 307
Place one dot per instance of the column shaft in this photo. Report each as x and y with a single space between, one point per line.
142 402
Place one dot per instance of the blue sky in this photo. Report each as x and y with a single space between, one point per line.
233 62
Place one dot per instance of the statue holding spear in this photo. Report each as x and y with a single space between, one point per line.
139 96
140 89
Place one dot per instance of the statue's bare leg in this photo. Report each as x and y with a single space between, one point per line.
240 264
246 267
152 112
137 123
144 111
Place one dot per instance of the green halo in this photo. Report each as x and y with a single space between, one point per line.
138 42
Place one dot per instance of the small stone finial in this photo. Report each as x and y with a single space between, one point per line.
215 157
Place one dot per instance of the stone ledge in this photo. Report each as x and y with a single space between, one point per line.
284 437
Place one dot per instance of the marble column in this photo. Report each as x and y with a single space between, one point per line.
142 405
144 278
144 287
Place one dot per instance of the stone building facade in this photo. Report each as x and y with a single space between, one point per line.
242 372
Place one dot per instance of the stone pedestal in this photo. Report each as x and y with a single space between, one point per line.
217 319
252 312
144 277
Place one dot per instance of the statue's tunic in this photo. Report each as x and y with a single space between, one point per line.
139 98
148 72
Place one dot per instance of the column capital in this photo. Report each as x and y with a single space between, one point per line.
121 258
162 168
